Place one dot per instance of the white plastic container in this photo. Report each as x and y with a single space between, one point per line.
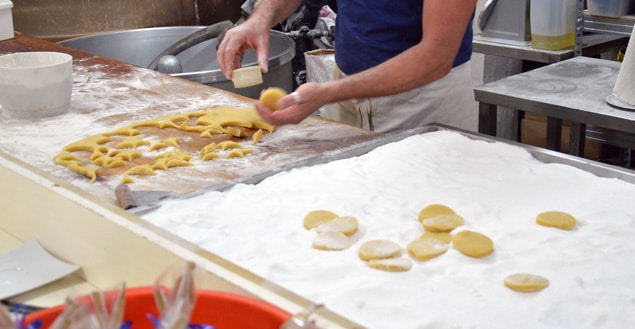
611 8
6 20
553 24
35 84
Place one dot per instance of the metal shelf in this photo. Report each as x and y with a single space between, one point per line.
620 25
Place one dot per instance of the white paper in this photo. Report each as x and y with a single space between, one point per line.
29 267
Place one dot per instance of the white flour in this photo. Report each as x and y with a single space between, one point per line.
498 188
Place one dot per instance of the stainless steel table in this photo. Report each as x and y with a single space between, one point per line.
574 89
593 44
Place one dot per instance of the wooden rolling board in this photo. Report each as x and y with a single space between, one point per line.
313 141
109 94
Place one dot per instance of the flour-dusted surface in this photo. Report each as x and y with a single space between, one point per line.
498 188
106 97
101 101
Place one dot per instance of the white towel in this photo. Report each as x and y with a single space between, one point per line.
624 89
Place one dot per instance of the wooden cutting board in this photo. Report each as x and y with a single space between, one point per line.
315 140
109 94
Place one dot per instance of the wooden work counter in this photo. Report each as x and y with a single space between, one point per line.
74 221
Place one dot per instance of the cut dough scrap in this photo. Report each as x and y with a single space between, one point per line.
127 154
209 156
525 282
226 145
126 179
255 138
140 170
473 244
132 142
241 117
444 237
331 240
378 249
345 224
434 210
90 143
236 132
238 153
125 131
442 223
316 218
557 219
427 248
398 264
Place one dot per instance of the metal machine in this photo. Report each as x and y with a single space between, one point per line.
506 21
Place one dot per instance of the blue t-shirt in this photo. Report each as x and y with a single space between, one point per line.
369 32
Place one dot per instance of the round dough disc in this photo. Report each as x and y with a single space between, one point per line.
557 219
345 224
398 264
442 223
331 240
316 218
473 244
427 248
433 210
378 249
526 282
444 237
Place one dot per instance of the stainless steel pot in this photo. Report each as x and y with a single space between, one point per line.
141 46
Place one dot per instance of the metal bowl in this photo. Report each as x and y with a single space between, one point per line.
141 46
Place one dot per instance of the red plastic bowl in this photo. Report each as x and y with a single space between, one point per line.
218 309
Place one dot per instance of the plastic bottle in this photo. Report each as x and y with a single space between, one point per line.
553 24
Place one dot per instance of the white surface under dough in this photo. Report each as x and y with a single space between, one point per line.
498 188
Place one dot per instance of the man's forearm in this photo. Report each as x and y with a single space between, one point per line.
271 12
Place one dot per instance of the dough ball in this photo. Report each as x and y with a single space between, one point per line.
270 97
346 224
434 210
398 264
442 223
427 248
473 244
331 240
444 237
378 249
557 219
526 282
316 218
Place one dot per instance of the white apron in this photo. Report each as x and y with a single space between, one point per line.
448 101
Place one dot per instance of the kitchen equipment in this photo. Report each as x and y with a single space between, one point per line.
141 46
192 39
611 8
139 201
506 21
35 84
622 96
169 64
64 19
553 24
6 20
212 308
